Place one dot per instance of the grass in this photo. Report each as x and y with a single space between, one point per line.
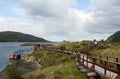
103 48
14 73
75 45
55 66
63 71
20 67
111 50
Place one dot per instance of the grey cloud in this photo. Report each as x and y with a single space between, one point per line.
56 20
106 17
47 8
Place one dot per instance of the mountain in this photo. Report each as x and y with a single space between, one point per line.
114 38
10 36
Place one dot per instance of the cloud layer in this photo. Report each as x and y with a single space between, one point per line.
47 8
58 20
105 16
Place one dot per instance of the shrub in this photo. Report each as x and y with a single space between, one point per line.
64 59
102 46
32 76
111 65
58 75
13 73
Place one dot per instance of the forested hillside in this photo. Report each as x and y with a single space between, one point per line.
9 36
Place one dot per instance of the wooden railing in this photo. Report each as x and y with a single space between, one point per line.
95 60
99 62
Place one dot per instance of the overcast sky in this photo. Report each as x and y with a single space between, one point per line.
57 20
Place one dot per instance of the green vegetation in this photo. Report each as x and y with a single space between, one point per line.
43 64
108 49
10 36
111 49
54 66
115 37
13 73
104 49
61 71
57 65
20 67
75 45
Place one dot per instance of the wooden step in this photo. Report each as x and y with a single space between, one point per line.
84 70
91 74
81 67
77 63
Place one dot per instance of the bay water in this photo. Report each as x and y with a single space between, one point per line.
7 49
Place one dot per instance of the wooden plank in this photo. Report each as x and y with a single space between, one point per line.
91 74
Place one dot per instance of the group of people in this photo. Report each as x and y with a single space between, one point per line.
40 46
15 57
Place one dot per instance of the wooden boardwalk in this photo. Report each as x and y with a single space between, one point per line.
93 65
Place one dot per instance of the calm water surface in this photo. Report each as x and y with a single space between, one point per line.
9 48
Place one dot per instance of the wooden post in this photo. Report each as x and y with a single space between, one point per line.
83 59
94 62
87 61
78 58
95 55
105 67
100 57
118 69
117 60
107 58
92 68
78 55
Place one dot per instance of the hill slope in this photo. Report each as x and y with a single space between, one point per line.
54 65
115 37
45 64
9 36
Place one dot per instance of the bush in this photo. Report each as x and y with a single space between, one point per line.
13 73
58 75
32 76
102 46
64 59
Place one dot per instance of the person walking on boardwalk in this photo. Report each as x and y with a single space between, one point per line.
95 43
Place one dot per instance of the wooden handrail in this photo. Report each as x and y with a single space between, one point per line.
98 64
93 60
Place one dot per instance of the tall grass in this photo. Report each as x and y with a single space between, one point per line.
55 66
110 49
14 73
75 45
